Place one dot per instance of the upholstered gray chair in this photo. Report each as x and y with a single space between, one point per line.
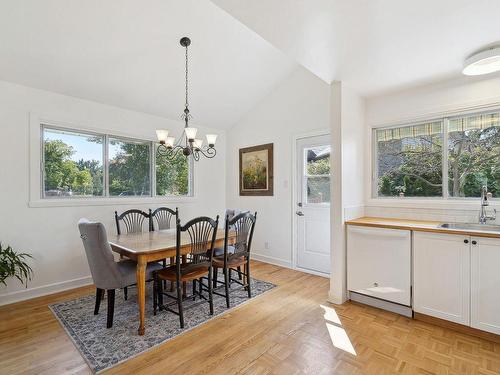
106 273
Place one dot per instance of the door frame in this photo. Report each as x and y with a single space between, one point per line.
295 138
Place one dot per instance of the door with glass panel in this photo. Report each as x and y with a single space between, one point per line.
312 208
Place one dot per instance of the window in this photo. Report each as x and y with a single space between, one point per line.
173 176
474 155
73 164
317 174
129 168
410 161
79 164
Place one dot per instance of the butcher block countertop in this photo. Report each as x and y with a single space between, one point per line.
417 225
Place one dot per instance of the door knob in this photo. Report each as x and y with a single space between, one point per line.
299 213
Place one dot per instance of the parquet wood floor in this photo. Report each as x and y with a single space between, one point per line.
290 330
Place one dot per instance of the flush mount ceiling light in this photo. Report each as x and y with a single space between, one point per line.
484 62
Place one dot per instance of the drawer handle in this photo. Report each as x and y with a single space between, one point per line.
375 285
474 242
466 241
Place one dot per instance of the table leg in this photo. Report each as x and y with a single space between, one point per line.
141 292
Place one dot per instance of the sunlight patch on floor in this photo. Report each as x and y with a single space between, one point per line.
338 335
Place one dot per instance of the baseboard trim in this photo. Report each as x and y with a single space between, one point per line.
457 327
39 291
272 260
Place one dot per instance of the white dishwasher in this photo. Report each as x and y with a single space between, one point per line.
379 263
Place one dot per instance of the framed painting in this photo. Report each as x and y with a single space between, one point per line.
256 170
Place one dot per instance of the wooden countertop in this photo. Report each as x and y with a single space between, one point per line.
417 225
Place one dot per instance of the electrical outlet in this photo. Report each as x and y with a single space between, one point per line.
266 245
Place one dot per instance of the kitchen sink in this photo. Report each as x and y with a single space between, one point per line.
471 226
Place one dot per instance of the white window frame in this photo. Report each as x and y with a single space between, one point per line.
37 198
445 119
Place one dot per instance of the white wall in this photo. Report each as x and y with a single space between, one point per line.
50 233
427 102
299 105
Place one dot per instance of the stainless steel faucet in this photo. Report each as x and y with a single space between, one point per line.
483 215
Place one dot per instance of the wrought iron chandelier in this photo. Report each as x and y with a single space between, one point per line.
187 143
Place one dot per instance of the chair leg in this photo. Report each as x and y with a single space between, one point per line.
194 289
159 293
164 263
98 297
230 276
210 294
201 286
239 273
172 261
125 293
248 279
179 303
111 307
216 272
155 293
226 285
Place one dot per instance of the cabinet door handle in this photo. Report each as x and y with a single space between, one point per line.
474 242
466 241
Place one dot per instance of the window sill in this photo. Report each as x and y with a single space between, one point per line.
472 204
76 202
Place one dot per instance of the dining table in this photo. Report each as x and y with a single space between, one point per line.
146 247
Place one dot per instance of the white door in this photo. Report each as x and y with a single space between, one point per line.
312 206
485 284
379 263
441 276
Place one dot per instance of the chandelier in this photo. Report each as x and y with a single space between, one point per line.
187 143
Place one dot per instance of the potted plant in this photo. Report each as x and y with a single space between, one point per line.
13 264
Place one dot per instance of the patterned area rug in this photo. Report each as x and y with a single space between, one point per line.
103 348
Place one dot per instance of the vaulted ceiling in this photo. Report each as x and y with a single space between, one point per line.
374 45
126 53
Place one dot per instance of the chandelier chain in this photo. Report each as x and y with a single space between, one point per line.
187 103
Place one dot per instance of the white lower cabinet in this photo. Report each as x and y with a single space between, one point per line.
485 284
441 276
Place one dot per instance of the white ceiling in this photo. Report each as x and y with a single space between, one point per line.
126 53
374 45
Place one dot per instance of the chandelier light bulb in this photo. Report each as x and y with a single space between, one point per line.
162 135
211 138
198 143
190 133
169 142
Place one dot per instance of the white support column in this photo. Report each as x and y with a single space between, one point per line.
337 292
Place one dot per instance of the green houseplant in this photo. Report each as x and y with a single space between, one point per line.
13 264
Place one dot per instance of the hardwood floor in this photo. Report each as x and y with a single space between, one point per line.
290 330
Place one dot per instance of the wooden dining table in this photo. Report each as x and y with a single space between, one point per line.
146 247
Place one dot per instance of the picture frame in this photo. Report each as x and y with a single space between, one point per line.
257 170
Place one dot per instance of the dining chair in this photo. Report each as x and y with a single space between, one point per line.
237 254
161 219
193 261
133 221
107 274
230 213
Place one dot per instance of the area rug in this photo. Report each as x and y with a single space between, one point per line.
103 348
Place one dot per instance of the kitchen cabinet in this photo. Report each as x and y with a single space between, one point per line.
485 284
441 274
379 263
